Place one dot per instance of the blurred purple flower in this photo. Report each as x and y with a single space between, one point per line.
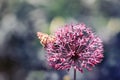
75 46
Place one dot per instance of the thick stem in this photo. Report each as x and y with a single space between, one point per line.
74 74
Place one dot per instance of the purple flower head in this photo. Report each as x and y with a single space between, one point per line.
75 46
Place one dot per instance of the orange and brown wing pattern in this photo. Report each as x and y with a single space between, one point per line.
45 38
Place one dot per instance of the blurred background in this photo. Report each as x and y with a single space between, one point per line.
22 56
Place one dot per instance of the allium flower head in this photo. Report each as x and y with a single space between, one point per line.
75 46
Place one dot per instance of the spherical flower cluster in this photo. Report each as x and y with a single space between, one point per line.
75 46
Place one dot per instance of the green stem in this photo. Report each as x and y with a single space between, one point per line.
74 74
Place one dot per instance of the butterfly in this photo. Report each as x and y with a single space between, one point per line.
45 38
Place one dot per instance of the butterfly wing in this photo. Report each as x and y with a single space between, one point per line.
45 38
